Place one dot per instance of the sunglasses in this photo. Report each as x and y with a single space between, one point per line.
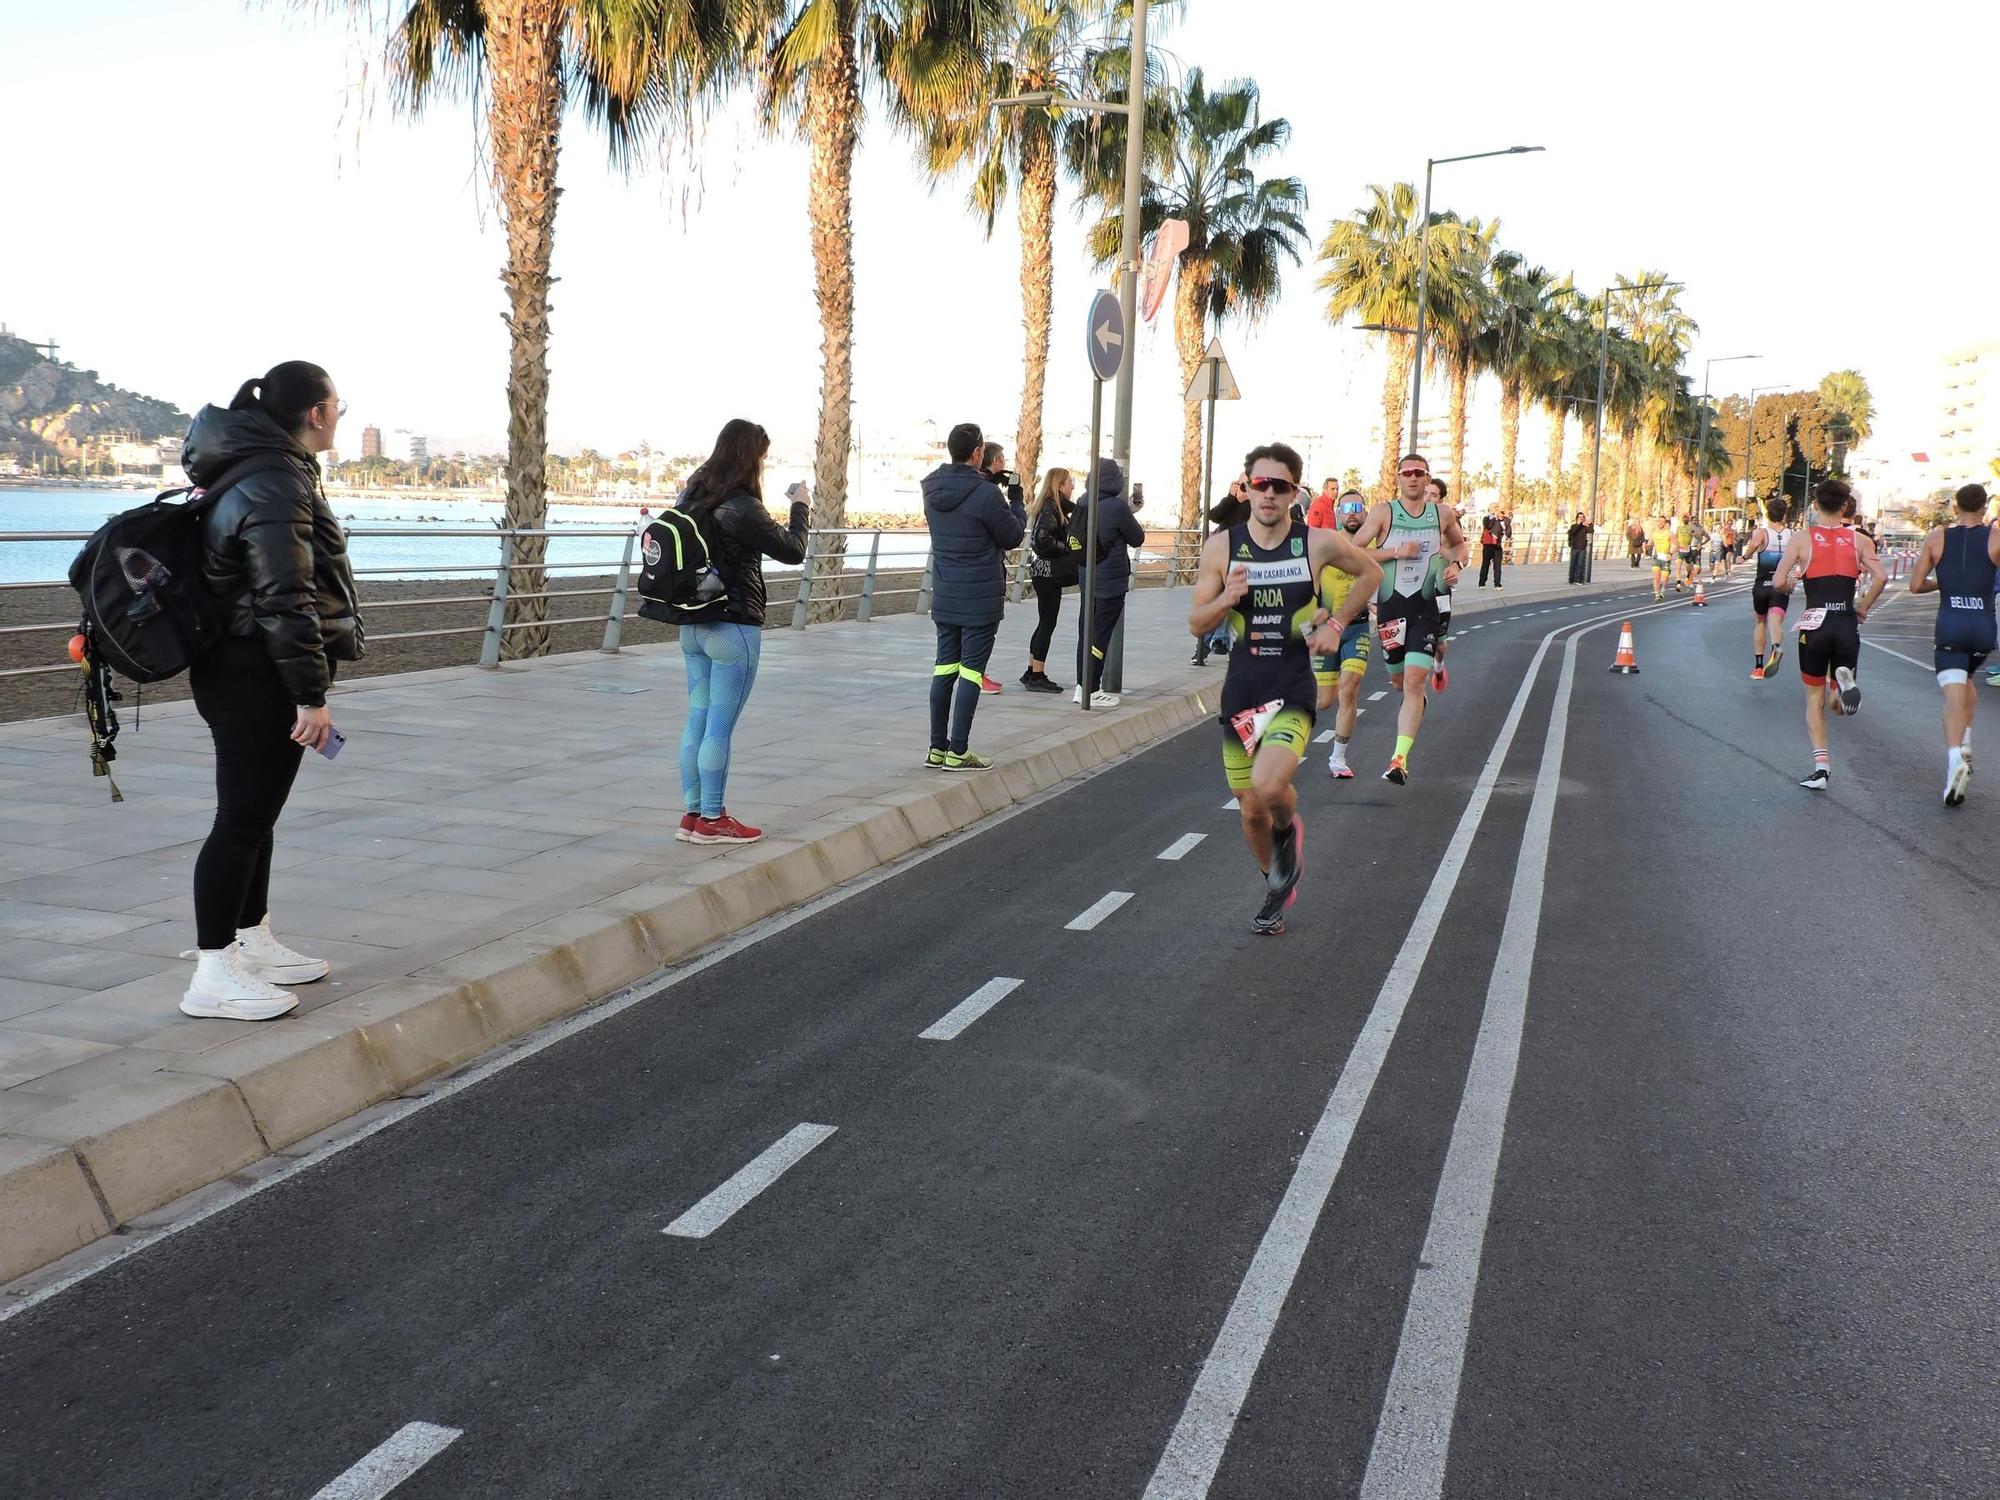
1416 473
1271 485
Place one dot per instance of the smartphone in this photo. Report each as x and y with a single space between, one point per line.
795 489
334 742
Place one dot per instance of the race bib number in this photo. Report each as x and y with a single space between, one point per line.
1812 619
1252 722
1392 632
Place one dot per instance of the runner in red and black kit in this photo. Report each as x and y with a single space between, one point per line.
1832 556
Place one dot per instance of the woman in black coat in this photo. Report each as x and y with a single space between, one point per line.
1050 575
275 560
722 641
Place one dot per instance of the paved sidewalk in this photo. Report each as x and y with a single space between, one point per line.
491 851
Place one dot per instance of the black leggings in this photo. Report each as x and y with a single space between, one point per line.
246 707
1048 605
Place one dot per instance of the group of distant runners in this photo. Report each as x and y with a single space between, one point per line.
1292 591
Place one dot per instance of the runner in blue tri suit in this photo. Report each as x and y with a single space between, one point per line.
1767 543
1965 559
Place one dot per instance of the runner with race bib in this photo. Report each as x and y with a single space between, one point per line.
1424 549
1833 557
1261 576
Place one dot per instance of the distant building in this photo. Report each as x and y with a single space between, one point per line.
1969 429
371 442
408 447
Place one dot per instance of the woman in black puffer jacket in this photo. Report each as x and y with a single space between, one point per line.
722 641
275 559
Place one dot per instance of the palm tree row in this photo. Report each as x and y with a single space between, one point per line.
1494 313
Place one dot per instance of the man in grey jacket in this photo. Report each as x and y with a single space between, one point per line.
1118 531
973 528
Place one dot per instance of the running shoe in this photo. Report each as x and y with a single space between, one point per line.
685 833
935 760
1288 859
1440 678
1817 782
972 760
1270 918
987 684
1958 771
1398 772
1039 683
1771 662
1336 764
1850 690
1756 674
723 829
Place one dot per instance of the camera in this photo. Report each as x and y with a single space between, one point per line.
1006 478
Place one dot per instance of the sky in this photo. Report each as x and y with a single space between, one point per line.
227 185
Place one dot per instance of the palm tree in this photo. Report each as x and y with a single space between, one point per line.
813 59
528 60
1569 374
1204 150
1514 345
1371 261
1040 49
1454 344
1845 393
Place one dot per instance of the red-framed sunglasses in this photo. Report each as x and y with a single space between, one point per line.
1270 484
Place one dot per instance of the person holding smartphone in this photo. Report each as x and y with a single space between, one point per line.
275 560
722 642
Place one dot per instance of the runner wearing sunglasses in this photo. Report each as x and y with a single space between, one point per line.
1262 577
1427 546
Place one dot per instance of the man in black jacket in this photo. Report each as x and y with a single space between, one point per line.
1118 531
973 528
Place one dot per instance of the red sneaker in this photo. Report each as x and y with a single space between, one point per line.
1440 678
685 833
723 829
987 684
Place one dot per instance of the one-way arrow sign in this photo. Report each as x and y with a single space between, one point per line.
1105 335
1213 379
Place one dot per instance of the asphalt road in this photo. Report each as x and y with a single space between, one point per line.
1185 1211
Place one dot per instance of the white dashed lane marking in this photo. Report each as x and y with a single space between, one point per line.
1103 907
1187 841
1378 697
769 1165
968 1010
414 1445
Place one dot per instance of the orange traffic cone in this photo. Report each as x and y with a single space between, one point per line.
1700 595
1627 659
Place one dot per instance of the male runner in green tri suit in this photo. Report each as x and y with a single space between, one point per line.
1425 548
1262 575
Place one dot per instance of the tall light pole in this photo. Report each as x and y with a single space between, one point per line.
1701 433
1424 269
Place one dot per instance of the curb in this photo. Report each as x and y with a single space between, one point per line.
73 1175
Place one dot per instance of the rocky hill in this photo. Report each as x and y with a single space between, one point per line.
48 407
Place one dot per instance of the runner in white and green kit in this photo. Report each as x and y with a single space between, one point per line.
1423 548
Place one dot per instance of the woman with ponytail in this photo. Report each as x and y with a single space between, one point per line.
275 559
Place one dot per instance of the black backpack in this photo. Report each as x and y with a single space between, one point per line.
1079 534
147 612
676 574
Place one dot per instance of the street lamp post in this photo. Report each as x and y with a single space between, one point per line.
1701 432
1424 269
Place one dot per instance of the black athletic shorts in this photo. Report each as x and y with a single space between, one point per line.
1837 643
1763 601
1420 632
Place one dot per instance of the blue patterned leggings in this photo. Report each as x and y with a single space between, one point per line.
721 670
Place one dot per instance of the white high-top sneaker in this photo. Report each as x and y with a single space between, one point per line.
267 958
224 989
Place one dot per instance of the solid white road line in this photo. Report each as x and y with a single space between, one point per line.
968 1010
413 1446
769 1165
1103 907
1195 1448
1927 666
1185 842
1413 1437
1378 697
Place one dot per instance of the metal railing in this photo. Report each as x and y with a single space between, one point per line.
890 558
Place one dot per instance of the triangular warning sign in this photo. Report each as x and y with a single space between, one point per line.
1213 379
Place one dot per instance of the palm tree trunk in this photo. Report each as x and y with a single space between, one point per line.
1624 496
833 125
523 121
1395 394
1038 287
1510 441
1557 430
1461 384
1190 322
